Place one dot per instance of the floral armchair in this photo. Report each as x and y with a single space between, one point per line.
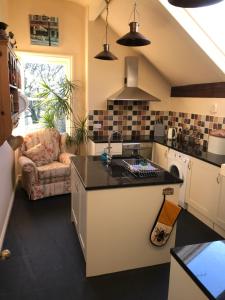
45 165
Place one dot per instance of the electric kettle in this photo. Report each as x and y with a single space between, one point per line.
172 133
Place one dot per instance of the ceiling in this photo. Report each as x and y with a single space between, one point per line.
172 50
82 2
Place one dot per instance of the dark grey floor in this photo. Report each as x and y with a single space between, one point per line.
47 262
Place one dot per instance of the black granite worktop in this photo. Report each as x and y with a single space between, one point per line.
194 151
125 139
205 264
95 175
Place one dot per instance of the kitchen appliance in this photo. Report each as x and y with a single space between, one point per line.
137 149
172 133
159 129
141 167
131 91
216 145
179 166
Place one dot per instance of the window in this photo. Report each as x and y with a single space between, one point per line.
206 25
211 19
36 69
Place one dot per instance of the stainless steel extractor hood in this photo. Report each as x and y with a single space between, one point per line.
131 91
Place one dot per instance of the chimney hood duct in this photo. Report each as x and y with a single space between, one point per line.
131 91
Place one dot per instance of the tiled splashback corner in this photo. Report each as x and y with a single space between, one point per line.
135 118
202 123
129 117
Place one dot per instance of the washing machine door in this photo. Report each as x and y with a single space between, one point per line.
176 170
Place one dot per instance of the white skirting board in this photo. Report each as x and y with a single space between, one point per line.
2 234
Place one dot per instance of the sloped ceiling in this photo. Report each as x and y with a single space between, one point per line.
81 2
172 51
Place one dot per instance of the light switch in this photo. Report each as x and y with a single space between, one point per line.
214 109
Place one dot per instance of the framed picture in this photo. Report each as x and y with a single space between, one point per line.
44 30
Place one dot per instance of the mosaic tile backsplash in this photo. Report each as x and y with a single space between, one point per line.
135 118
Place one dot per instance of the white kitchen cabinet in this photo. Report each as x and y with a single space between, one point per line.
99 148
181 285
204 191
78 207
219 225
160 155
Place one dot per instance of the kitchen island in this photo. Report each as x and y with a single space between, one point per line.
114 212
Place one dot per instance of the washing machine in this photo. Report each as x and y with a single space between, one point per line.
179 166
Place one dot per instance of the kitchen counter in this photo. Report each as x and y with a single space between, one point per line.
126 139
194 151
205 264
94 174
114 213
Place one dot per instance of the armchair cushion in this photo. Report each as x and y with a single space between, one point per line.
48 137
53 170
39 154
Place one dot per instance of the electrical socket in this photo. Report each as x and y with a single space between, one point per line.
98 126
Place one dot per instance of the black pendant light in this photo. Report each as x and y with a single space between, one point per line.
133 38
193 3
106 54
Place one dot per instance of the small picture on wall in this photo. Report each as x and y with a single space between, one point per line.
44 30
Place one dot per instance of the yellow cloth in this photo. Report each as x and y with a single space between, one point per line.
169 213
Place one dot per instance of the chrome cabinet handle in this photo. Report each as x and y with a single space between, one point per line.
166 153
76 188
218 179
189 165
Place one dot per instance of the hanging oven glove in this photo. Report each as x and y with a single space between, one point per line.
164 223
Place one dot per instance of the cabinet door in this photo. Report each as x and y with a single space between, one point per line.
204 188
82 217
220 212
75 195
160 154
78 207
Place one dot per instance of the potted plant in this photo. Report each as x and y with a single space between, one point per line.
80 135
55 102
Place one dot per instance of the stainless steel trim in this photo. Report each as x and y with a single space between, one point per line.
131 91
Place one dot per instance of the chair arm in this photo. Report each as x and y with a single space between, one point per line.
28 166
65 158
63 138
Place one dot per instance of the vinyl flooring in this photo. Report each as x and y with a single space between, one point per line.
47 263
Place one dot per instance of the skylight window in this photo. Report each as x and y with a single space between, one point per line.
206 25
212 21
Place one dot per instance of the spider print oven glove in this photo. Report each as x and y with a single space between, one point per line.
164 223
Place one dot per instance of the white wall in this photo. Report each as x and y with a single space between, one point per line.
106 77
198 105
7 183
4 11
71 35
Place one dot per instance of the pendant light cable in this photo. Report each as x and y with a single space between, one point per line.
106 20
106 54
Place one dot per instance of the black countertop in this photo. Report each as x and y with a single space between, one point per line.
205 264
126 139
194 151
95 175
